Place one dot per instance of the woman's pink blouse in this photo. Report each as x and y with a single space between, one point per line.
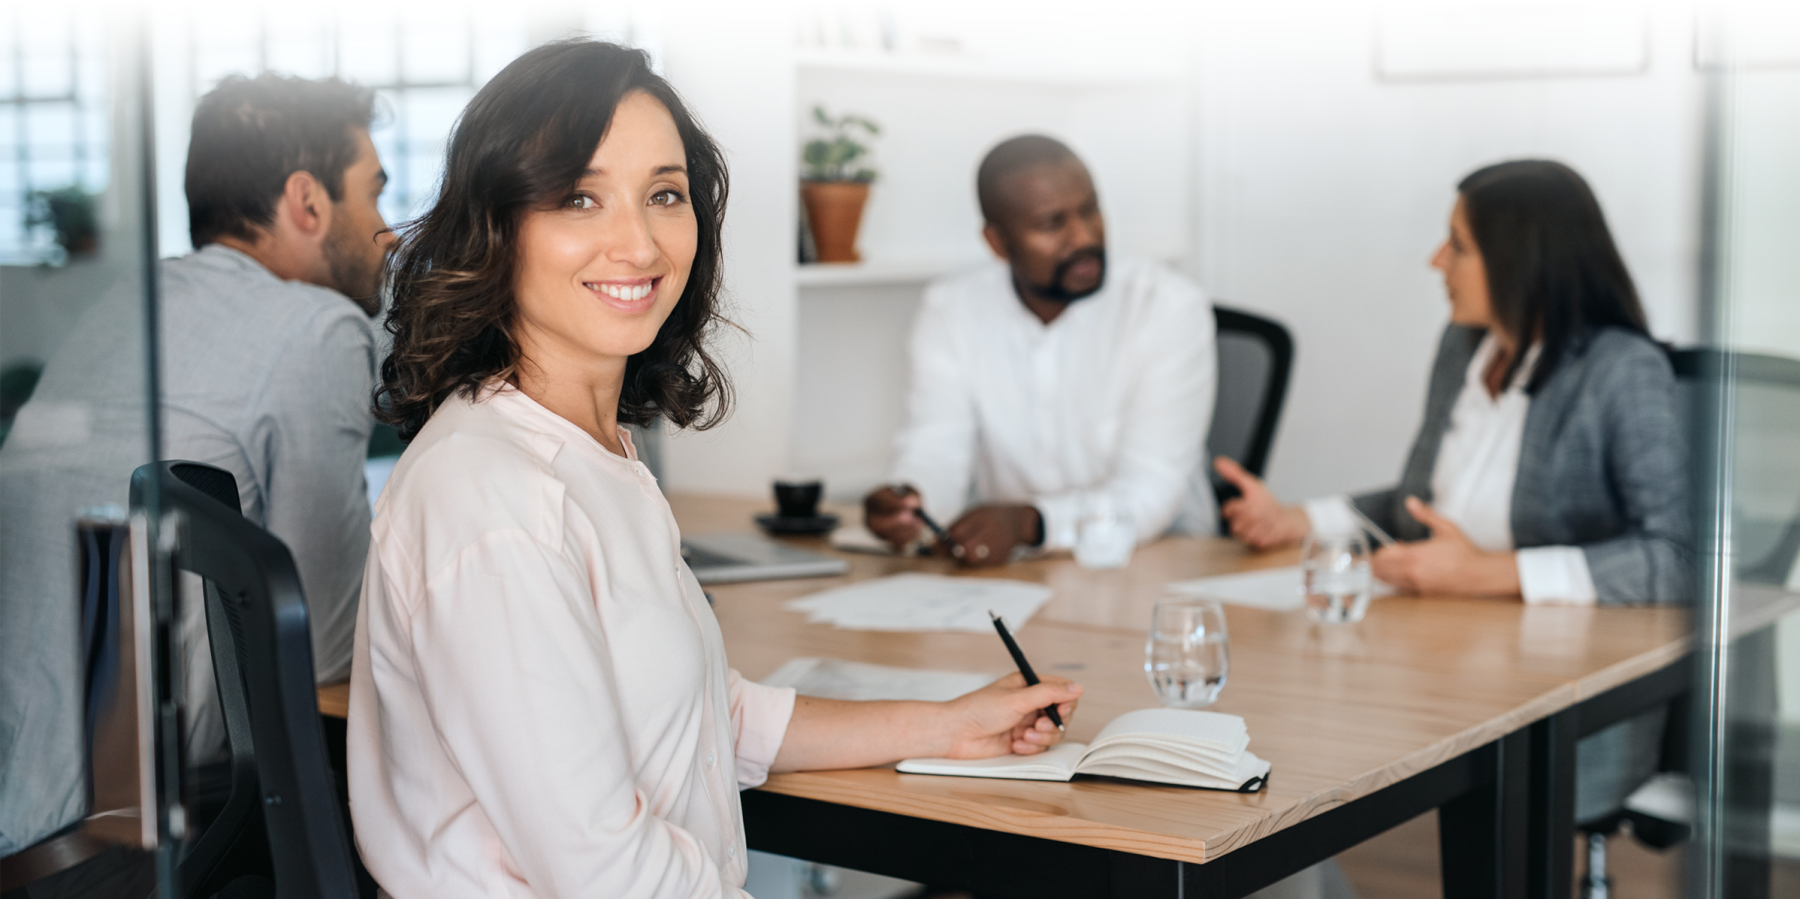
540 703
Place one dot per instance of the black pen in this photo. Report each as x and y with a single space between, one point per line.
1031 678
942 535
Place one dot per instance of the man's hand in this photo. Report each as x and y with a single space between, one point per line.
1446 564
890 513
1256 517
986 535
1007 716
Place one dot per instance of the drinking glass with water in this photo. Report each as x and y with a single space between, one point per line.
1334 569
1187 657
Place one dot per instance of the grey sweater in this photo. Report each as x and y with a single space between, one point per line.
268 379
1603 465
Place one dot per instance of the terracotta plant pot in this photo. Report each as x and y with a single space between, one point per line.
834 209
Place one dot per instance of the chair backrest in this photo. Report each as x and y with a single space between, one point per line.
1256 356
1765 426
262 661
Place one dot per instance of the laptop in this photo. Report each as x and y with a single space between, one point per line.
726 558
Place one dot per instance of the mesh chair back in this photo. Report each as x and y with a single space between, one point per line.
1256 356
1765 431
262 660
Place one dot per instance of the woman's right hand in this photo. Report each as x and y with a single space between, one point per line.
1256 517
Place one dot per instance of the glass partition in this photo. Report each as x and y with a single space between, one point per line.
1747 711
77 388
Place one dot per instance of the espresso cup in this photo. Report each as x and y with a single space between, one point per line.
798 497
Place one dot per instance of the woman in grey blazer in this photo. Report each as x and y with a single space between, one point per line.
1548 370
1550 464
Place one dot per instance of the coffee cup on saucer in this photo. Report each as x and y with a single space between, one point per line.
797 504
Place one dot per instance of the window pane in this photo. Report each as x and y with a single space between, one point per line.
366 53
50 126
436 53
48 71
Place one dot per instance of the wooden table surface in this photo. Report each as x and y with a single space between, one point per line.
1340 711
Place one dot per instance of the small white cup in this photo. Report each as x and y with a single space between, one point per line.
1104 538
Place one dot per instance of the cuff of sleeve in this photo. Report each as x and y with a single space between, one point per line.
1332 515
761 714
1060 515
1555 575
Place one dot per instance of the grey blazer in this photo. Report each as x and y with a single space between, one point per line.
1603 466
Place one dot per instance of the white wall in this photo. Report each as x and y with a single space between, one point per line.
733 63
1323 191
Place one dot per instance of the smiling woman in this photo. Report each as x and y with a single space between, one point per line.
540 703
525 162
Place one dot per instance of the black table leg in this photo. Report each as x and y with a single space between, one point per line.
1483 834
1551 867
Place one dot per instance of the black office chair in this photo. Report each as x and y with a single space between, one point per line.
1765 430
1256 356
282 817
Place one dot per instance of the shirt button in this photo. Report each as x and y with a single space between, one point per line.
732 852
711 758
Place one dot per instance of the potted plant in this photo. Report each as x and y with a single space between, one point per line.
834 182
70 215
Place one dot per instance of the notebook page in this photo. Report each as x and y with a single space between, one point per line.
1210 729
1248 768
1056 763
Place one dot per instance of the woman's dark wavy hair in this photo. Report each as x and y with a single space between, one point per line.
521 144
1553 272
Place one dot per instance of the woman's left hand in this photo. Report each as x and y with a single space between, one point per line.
1446 564
1007 716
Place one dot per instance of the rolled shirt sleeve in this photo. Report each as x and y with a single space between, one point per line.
1555 575
1332 515
759 722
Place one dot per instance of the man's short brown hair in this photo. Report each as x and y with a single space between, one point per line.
251 134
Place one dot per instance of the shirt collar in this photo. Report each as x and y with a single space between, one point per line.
220 256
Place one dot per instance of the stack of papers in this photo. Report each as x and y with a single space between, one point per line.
924 602
837 679
1275 589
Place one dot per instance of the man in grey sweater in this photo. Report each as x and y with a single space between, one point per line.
268 359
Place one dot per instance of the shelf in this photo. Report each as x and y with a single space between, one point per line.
878 271
973 68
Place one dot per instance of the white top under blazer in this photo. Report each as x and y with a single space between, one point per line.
540 704
1472 484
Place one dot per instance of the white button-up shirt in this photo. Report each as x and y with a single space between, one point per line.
1108 404
1472 484
540 696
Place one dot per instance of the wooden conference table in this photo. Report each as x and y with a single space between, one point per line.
1468 706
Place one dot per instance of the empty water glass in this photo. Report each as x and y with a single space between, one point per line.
1104 537
1335 577
1187 657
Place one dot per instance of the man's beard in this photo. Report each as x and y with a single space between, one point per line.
354 273
1057 291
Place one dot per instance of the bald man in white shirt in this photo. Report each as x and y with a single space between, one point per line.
1052 383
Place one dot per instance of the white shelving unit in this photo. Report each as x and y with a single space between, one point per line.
872 272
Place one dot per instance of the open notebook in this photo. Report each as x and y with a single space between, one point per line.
1173 746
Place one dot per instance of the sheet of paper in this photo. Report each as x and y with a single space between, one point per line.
924 602
838 679
1276 589
858 539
